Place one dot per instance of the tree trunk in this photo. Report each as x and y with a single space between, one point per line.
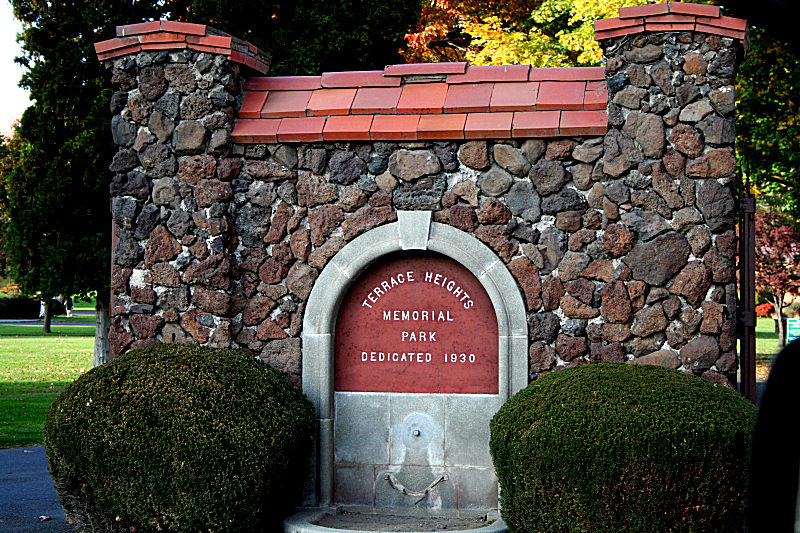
48 314
101 348
779 317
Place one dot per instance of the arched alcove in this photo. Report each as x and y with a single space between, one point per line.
414 230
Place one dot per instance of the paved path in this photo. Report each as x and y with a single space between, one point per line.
27 492
90 320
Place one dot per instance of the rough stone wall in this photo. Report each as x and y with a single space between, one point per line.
671 143
622 244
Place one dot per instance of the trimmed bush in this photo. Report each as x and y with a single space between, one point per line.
179 438
616 447
19 307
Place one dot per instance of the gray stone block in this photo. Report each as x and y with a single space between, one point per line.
362 428
415 479
467 429
413 229
354 484
422 413
476 488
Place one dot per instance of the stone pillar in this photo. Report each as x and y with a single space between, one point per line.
174 107
670 154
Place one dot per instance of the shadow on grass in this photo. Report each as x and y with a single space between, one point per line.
23 409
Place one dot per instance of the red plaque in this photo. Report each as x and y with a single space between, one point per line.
417 323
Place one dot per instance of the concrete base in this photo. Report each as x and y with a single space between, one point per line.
306 521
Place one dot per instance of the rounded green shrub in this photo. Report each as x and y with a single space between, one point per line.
179 438
616 447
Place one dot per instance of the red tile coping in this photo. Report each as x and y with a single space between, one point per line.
305 129
504 73
283 83
363 78
425 69
381 100
347 128
441 126
174 35
247 131
567 74
564 102
394 128
670 16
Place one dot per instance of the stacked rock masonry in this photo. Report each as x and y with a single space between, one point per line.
622 243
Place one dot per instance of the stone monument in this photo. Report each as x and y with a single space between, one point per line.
412 245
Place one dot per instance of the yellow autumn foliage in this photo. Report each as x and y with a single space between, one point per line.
573 44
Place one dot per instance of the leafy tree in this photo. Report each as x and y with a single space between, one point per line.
55 175
777 263
768 128
308 36
543 33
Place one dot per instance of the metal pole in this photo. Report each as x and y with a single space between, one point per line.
747 294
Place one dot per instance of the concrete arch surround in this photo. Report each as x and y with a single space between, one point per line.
414 230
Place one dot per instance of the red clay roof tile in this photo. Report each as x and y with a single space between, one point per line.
371 100
468 98
161 37
305 129
256 131
536 124
139 28
252 104
422 98
669 26
394 128
694 9
502 73
362 78
514 96
716 30
119 52
331 101
347 128
248 61
643 10
567 74
219 41
115 44
425 69
615 23
593 100
164 46
729 23
286 104
183 27
671 18
608 34
282 83
488 125
441 126
583 123
560 95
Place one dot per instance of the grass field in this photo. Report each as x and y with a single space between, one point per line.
34 369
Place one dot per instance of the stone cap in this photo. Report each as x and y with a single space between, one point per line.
172 35
671 16
425 101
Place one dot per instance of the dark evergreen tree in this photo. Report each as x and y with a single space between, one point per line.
56 174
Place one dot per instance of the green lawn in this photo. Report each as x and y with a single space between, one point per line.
34 369
766 339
